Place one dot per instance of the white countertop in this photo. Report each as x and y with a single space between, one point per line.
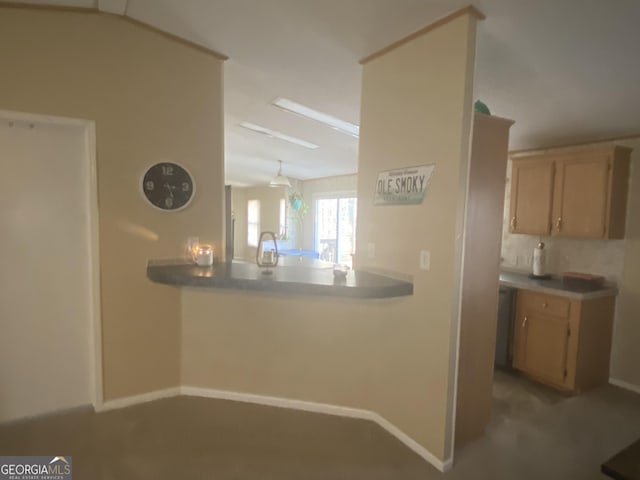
554 286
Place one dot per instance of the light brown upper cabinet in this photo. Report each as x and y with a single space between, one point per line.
531 195
580 193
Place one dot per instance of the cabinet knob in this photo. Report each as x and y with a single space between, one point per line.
513 223
544 305
559 223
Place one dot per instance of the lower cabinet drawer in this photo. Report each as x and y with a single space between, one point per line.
544 303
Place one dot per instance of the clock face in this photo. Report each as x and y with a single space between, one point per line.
168 186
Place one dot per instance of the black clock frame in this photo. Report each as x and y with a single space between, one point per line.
173 182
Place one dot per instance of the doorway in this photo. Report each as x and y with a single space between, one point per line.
50 349
335 227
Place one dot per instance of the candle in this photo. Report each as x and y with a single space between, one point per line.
204 255
268 257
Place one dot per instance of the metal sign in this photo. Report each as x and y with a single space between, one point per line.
403 186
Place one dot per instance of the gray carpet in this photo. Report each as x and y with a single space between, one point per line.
534 433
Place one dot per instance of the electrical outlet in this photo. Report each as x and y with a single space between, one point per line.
371 250
425 259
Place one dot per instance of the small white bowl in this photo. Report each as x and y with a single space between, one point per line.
340 271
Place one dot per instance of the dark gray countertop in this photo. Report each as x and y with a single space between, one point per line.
308 277
625 465
554 286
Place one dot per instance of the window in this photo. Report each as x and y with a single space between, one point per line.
335 233
253 222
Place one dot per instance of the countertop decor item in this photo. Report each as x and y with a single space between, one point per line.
191 248
582 280
539 261
204 255
340 271
267 259
168 186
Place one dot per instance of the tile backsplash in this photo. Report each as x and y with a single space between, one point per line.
600 257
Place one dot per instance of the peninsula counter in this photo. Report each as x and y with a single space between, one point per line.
294 276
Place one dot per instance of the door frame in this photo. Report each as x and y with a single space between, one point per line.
95 326
338 194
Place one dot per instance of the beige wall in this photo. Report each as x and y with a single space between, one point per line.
618 260
269 198
625 357
391 356
153 99
415 110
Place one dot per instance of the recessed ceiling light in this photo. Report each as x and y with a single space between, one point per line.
275 134
337 124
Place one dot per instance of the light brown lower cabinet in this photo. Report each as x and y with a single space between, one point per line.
563 342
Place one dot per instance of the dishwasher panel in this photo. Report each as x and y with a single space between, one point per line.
504 331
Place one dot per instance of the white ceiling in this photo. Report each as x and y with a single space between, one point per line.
565 70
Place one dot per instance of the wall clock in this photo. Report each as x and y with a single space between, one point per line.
168 186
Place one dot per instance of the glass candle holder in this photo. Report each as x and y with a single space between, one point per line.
204 255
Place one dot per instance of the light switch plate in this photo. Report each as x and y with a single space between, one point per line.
425 259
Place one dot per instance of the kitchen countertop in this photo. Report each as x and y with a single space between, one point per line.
625 465
554 286
293 275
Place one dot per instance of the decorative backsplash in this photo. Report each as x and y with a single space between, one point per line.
600 257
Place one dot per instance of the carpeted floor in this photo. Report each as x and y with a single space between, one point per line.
534 433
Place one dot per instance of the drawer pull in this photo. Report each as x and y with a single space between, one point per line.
524 322
559 223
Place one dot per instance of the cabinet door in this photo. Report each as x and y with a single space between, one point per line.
531 195
546 343
541 337
581 195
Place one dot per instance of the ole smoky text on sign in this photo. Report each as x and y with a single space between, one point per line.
403 186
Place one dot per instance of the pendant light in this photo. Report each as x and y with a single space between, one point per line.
280 180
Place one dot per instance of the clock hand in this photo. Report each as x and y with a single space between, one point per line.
170 188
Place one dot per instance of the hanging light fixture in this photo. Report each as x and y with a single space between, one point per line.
280 180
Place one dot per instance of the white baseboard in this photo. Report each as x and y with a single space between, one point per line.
410 442
136 399
273 401
626 385
321 408
279 402
39 416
